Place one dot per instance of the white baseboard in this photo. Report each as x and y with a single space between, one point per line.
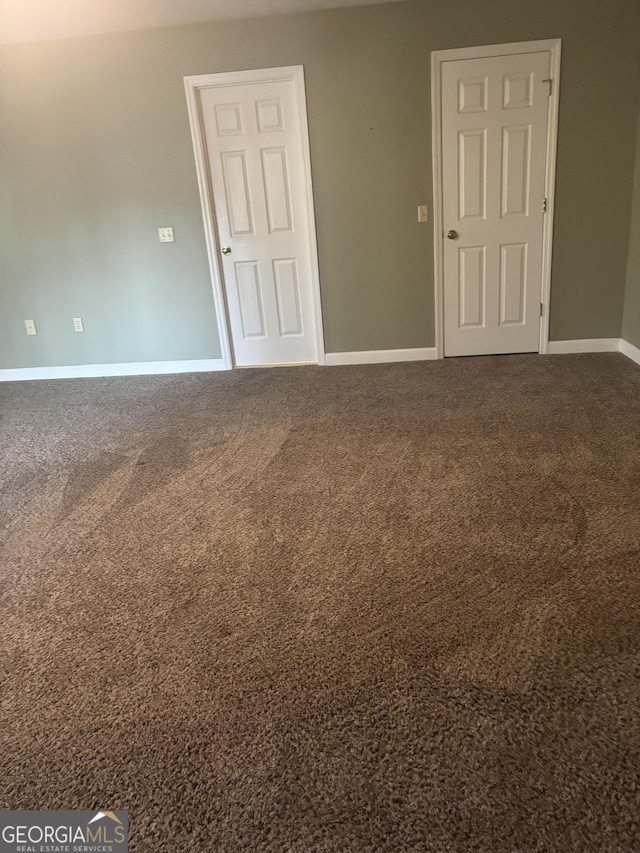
380 356
596 345
630 351
587 345
136 368
386 356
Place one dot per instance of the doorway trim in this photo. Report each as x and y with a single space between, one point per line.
438 58
193 85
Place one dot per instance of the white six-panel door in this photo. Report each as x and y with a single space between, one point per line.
495 113
256 166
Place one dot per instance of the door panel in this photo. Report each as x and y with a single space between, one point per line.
516 165
236 195
472 277
285 275
513 287
472 171
276 187
494 144
250 299
257 173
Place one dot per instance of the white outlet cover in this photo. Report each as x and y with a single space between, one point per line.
78 325
166 234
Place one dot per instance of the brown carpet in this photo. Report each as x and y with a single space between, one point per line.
379 608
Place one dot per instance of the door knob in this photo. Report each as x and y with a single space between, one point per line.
226 250
452 235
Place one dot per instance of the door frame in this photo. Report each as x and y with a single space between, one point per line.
193 85
438 58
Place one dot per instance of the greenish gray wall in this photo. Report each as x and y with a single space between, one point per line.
97 154
631 318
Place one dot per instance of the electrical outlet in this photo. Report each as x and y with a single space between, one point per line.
30 326
423 213
77 324
166 234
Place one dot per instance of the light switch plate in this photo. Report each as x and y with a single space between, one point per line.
30 326
423 213
78 325
166 234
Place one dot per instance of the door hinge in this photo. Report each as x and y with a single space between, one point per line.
541 309
544 205
550 82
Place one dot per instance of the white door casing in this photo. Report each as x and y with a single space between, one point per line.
251 144
495 125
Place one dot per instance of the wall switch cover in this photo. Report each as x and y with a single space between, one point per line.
30 326
166 234
78 325
423 213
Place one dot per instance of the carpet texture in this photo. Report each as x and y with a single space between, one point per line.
378 608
